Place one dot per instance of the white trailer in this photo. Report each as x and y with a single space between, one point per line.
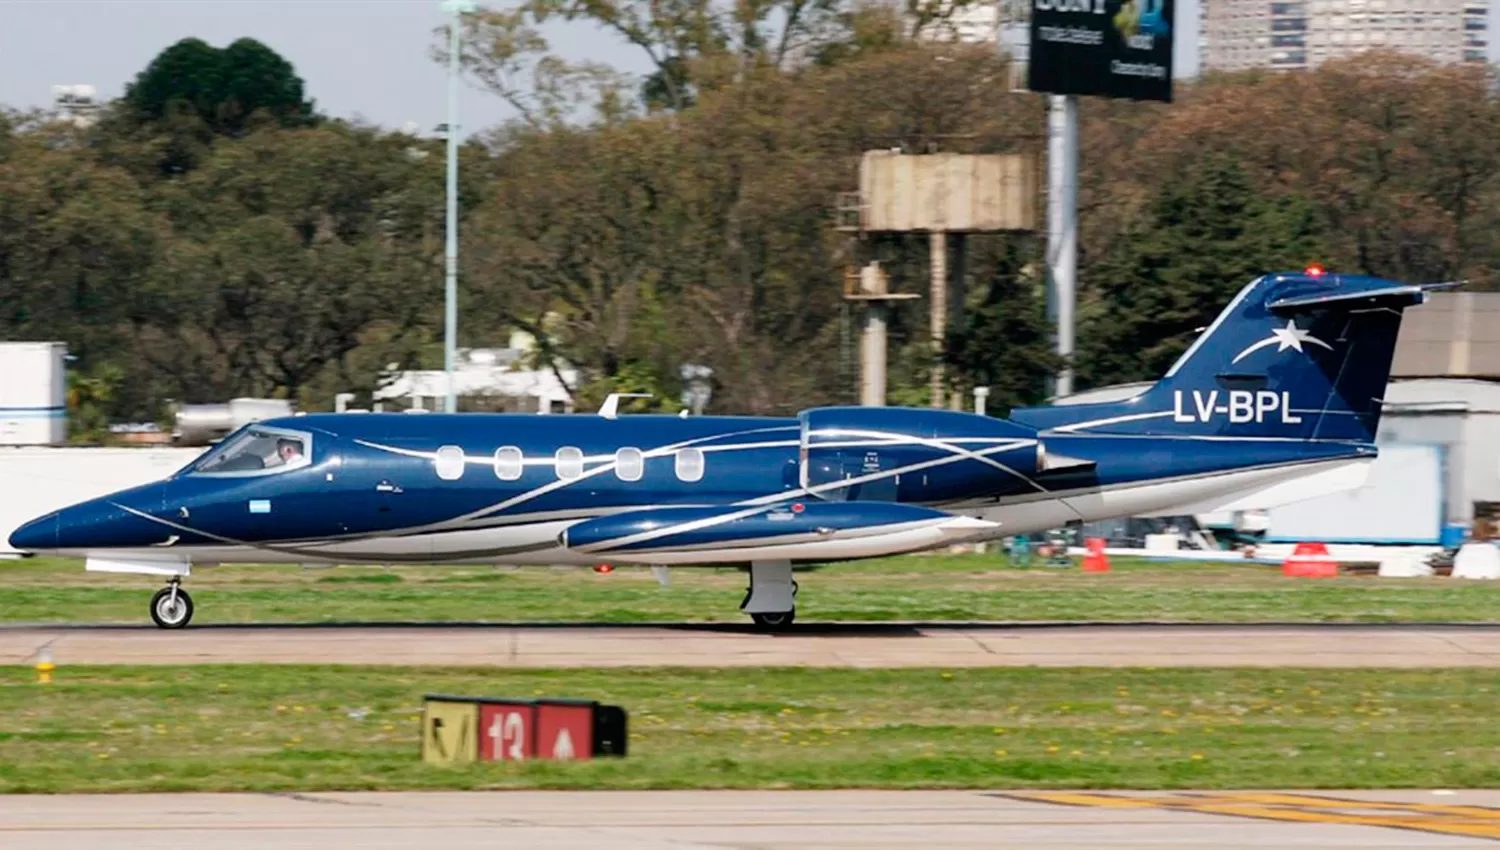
33 394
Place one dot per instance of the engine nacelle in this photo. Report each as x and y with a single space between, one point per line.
796 531
895 454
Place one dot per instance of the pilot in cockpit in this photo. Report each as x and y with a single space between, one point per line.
288 451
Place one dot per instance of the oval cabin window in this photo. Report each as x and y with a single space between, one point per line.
690 464
630 464
508 463
569 463
449 463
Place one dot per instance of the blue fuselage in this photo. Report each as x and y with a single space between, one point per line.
393 487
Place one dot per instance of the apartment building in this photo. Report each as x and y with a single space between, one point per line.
1297 34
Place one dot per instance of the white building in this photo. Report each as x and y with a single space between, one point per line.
79 104
498 379
971 23
1299 34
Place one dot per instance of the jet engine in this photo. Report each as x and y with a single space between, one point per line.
892 454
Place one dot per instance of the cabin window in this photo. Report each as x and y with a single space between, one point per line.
508 463
449 463
569 463
690 464
630 464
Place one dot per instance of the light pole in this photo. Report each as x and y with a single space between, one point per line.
450 313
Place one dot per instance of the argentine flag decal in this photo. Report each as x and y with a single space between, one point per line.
260 506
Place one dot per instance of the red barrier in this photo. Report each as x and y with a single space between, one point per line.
1310 560
1095 561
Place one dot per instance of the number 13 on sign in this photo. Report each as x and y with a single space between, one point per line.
507 734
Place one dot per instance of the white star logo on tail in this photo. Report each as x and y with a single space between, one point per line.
1290 336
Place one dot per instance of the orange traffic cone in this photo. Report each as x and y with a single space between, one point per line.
1310 560
1095 561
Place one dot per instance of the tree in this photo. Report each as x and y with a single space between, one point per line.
77 241
292 249
1006 344
222 88
693 46
1205 238
187 247
192 94
703 236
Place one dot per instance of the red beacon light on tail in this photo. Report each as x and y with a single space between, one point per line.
1315 270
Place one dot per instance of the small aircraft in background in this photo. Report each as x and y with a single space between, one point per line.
1276 401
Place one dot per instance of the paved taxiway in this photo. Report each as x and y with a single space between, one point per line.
764 820
854 645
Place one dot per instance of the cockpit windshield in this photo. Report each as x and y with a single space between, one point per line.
255 451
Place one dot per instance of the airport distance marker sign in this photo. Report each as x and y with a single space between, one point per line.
1112 48
458 730
449 727
507 730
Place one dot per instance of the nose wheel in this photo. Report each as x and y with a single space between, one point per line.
172 607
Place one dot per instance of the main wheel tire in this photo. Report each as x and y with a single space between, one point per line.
774 620
169 615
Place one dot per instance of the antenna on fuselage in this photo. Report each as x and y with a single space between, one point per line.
611 406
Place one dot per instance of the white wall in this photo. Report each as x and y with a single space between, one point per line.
37 481
1463 416
1401 502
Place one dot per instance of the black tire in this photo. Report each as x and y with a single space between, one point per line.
168 616
774 620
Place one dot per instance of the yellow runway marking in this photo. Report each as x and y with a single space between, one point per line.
1469 821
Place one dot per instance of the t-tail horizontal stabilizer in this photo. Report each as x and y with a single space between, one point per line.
1302 356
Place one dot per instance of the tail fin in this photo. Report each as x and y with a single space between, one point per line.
1297 356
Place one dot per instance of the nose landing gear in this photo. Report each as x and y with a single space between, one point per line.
172 607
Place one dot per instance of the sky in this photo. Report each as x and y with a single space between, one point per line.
359 58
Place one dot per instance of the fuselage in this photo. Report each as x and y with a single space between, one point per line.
482 488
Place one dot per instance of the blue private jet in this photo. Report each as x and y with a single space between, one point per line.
1277 400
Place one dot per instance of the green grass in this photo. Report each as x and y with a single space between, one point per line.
927 587
324 728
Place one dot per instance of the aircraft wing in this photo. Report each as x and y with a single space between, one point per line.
812 530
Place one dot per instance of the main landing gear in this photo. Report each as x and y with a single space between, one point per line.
771 598
172 607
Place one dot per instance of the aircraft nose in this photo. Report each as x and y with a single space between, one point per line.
38 535
98 524
105 524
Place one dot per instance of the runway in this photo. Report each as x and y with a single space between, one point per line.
872 645
764 820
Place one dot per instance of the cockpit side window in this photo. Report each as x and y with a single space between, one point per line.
255 451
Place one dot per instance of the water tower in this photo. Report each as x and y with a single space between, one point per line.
947 196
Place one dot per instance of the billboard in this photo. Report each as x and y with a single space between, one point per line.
1112 48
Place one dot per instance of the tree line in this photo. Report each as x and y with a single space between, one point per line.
213 235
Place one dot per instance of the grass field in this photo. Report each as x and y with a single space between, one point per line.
930 587
293 728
